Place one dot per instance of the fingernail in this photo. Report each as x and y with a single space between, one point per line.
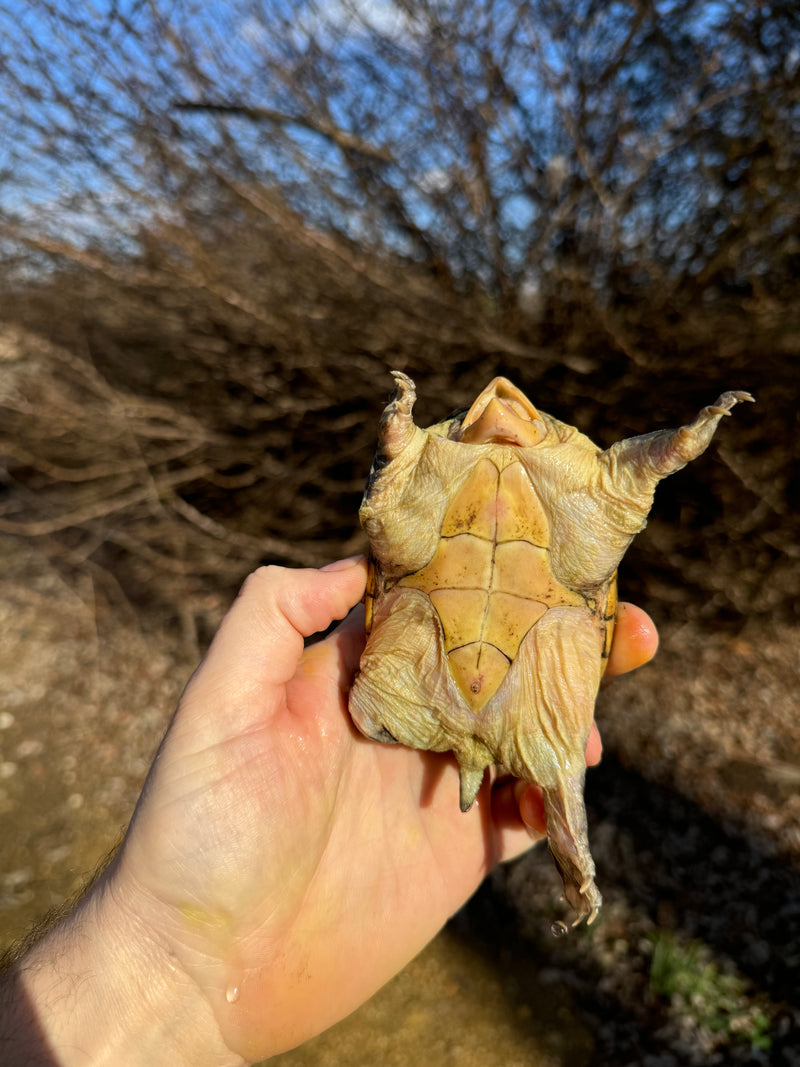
343 564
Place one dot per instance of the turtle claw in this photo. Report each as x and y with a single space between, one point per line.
723 404
405 393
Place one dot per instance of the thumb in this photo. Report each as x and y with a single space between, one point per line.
260 640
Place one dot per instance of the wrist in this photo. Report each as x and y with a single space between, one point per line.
99 989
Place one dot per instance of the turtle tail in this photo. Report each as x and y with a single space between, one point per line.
471 779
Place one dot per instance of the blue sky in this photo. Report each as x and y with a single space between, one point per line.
92 176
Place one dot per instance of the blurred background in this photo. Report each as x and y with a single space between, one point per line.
221 226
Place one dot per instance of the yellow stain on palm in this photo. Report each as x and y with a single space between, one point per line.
315 662
413 838
206 919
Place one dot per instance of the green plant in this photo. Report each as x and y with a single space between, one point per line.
686 974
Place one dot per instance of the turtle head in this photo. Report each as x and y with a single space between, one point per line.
502 414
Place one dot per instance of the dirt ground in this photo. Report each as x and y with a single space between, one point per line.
694 821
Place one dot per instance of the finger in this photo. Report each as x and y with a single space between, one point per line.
531 808
261 638
518 816
635 640
594 747
507 794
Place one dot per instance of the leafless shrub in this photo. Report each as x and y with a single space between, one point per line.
226 226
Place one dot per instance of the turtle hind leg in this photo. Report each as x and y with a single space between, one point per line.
471 781
549 696
370 727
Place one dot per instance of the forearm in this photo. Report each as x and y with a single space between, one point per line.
97 990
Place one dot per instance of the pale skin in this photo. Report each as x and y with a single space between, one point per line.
279 867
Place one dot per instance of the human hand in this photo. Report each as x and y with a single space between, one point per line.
291 866
279 867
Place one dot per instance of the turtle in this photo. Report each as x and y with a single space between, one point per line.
495 538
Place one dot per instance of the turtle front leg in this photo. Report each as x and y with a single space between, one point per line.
639 463
397 423
681 446
403 538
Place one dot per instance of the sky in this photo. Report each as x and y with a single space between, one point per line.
76 83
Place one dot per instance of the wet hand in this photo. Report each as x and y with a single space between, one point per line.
290 866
